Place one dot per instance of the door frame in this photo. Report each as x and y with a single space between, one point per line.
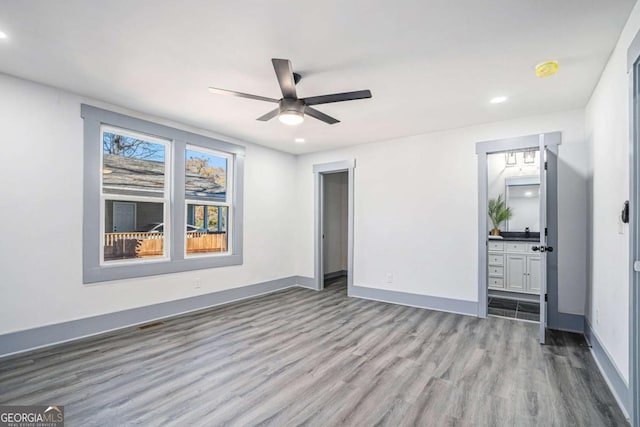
319 171
633 69
532 142
113 214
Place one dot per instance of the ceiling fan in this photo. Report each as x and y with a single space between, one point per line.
291 109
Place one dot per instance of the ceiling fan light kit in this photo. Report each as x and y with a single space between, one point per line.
291 118
291 109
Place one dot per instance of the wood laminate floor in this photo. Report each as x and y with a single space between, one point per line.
301 357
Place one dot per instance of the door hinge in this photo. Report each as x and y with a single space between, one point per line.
636 266
546 231
546 297
545 165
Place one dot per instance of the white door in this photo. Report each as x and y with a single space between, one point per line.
124 217
533 274
516 269
543 239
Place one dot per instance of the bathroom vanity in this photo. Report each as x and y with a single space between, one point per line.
513 265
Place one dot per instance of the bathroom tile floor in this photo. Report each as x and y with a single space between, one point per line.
520 310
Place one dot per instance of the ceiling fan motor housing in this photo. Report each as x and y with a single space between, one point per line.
294 106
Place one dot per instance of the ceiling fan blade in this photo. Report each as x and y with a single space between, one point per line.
241 95
270 115
337 97
320 115
284 72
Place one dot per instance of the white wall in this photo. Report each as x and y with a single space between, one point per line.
607 130
335 221
425 189
41 218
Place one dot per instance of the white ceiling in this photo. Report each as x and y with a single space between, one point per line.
431 64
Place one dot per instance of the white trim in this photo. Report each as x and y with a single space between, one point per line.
227 202
164 198
228 226
166 232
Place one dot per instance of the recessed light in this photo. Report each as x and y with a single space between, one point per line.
299 140
498 99
3 35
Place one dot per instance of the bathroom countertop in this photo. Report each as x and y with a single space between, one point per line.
520 239
519 236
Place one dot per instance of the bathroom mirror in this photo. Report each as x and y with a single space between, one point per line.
522 195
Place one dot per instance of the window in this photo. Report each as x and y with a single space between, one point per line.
207 186
135 195
157 199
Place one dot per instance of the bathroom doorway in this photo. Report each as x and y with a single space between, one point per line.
517 241
514 217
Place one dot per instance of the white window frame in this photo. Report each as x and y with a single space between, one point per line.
95 269
165 199
228 202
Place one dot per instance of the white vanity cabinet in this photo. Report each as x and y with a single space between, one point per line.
513 266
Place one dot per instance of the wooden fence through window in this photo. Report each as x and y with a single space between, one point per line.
144 245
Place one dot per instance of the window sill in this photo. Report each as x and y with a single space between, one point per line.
152 268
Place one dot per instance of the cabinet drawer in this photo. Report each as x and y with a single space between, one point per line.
496 259
496 282
516 247
496 271
496 246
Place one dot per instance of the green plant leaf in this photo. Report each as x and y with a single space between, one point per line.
498 211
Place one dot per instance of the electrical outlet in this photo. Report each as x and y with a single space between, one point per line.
389 278
196 283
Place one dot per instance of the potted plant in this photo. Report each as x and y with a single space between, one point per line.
498 213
